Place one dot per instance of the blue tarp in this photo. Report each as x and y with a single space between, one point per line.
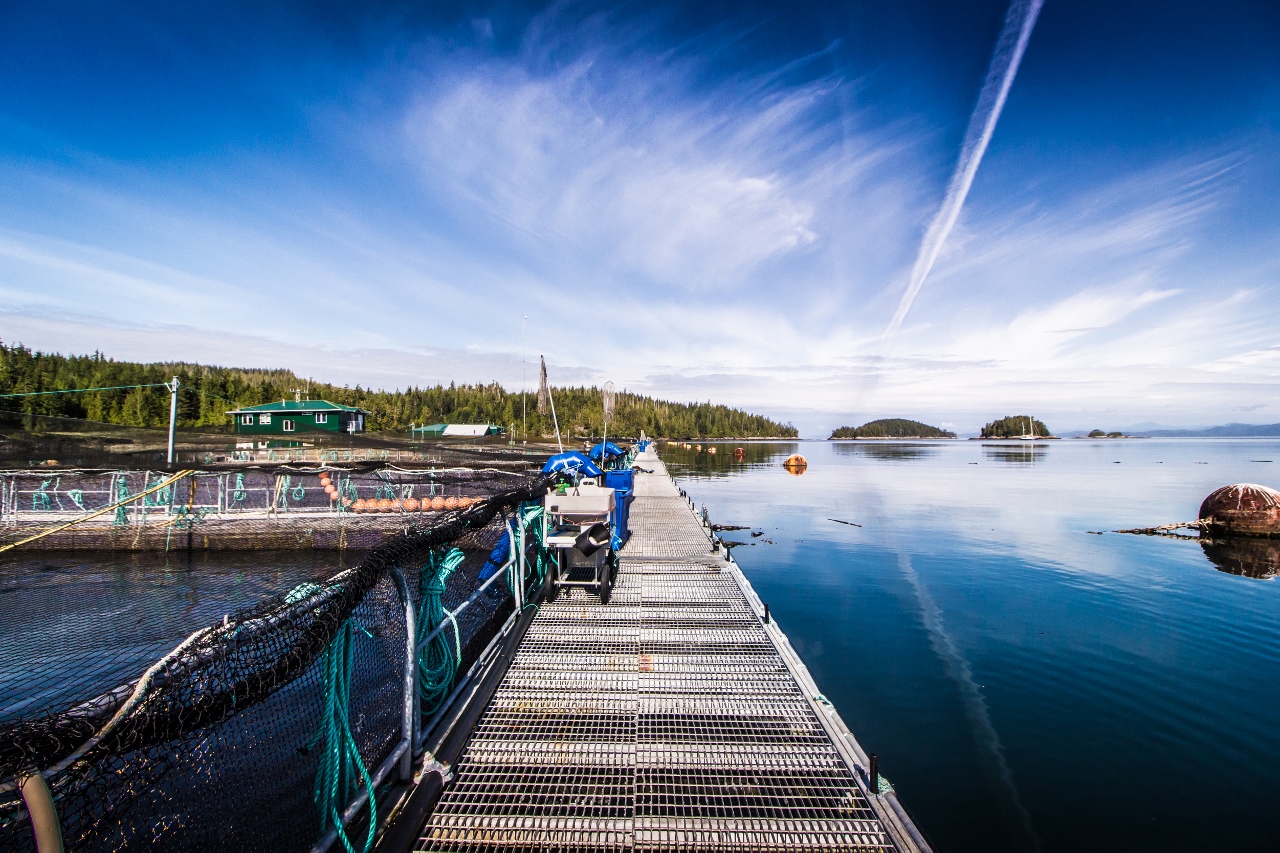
608 449
497 557
571 463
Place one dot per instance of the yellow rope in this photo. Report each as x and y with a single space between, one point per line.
96 513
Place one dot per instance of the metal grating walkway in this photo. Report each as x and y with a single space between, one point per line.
672 718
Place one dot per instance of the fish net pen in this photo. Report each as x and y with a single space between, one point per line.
260 728
283 506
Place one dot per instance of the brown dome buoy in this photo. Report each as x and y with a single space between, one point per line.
1243 509
795 464
739 453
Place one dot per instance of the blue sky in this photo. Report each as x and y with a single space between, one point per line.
701 201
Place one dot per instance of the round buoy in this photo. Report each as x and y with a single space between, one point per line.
333 496
711 450
1242 509
385 505
324 480
330 488
358 506
410 504
450 502
739 453
437 503
795 464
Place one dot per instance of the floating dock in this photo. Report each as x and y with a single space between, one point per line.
675 717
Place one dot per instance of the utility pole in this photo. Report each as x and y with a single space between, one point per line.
524 381
173 415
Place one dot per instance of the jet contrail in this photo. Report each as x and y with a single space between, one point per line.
995 88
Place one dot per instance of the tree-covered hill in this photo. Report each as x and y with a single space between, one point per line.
209 392
1015 426
892 428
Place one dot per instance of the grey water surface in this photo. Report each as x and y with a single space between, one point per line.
1027 683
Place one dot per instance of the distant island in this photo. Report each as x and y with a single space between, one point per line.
1226 431
1097 433
892 428
1016 426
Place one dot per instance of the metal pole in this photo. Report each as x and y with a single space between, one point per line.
408 730
173 415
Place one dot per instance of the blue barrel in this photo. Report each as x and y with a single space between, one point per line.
623 484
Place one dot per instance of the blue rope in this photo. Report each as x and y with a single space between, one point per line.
437 663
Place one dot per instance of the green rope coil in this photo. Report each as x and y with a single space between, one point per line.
122 494
437 663
530 516
239 494
341 767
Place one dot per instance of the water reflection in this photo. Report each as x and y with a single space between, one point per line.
1016 454
1251 558
885 451
719 459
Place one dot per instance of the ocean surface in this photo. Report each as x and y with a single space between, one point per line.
1027 683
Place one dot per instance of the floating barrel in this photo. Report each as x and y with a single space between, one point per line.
1243 509
795 464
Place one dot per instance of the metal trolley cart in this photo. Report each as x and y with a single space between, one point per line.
580 535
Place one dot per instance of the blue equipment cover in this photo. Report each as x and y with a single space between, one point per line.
608 449
571 463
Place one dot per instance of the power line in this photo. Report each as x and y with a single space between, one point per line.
83 390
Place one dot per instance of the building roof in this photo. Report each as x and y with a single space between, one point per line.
297 406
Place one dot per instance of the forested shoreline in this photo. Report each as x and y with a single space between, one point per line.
209 392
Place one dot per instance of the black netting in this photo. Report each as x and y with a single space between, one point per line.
221 751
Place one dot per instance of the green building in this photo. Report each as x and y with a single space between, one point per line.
294 416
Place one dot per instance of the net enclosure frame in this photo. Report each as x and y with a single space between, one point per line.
234 717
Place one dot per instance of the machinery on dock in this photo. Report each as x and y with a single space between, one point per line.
586 521
580 535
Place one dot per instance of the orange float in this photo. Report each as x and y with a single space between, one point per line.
437 503
739 453
358 506
795 464
333 496
450 502
385 505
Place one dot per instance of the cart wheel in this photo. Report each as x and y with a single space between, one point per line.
549 587
606 586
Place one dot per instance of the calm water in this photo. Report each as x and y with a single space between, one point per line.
1027 685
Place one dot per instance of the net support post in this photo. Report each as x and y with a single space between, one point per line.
409 687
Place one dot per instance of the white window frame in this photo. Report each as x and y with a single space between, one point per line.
264 419
322 417
246 420
286 425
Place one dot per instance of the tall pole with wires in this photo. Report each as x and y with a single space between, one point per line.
524 380
173 415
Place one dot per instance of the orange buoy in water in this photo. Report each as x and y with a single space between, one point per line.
711 450
385 505
437 503
451 502
739 453
410 505
795 464
1243 509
